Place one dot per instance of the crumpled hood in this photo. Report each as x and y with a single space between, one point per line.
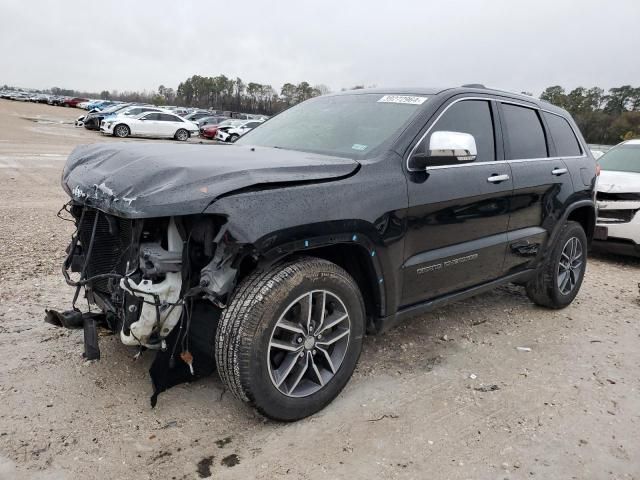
610 181
142 180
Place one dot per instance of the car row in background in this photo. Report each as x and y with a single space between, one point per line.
123 119
127 119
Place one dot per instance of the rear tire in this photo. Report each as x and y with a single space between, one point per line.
121 131
559 278
283 358
181 135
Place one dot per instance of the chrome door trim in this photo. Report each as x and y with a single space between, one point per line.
489 99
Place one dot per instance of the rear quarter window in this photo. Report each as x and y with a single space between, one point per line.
564 139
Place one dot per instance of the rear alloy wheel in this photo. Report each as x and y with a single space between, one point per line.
182 135
121 131
570 265
559 278
291 337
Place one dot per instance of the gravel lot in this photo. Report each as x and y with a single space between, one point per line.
445 396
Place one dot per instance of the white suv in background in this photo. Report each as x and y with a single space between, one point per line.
618 197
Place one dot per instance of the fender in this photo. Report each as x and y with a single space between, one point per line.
311 245
565 216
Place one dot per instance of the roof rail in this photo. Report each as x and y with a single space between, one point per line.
473 85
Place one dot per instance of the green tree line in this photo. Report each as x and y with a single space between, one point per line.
219 92
224 93
605 118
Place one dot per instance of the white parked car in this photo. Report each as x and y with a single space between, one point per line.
150 124
618 199
231 132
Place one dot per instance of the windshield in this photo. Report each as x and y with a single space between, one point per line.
347 125
625 158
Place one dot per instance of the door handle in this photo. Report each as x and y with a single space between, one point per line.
497 178
558 171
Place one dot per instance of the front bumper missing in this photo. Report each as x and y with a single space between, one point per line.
143 298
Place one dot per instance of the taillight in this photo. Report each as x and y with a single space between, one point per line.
598 169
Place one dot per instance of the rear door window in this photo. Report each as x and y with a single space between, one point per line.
523 133
564 139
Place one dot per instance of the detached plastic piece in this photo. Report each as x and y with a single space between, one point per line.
67 319
76 319
91 348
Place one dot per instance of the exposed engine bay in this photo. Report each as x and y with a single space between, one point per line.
158 283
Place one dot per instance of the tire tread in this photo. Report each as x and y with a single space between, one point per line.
240 320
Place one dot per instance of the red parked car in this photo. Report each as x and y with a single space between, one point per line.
209 131
73 102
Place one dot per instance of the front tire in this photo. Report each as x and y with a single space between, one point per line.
290 338
233 138
121 131
182 135
559 278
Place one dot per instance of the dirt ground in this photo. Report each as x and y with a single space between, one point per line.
445 396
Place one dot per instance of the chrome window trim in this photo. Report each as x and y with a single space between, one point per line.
495 162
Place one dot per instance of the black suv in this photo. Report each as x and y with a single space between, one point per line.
270 258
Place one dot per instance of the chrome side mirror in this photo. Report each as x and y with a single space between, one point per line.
456 145
446 148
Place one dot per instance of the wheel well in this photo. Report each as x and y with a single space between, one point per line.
355 259
586 217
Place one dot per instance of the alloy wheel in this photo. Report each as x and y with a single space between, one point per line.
122 131
308 343
182 135
570 265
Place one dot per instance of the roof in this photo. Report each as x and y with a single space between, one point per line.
470 88
477 88
393 91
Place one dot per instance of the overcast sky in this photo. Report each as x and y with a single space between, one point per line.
134 45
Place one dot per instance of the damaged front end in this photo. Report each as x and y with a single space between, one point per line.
159 283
